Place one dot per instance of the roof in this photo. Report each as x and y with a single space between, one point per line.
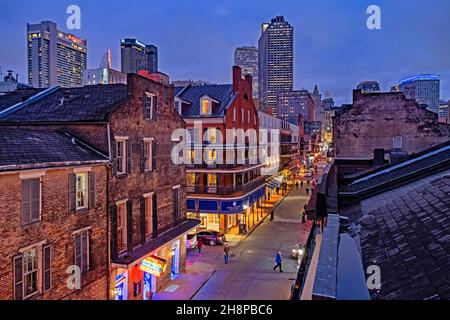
420 77
406 232
424 162
89 103
27 148
223 93
11 98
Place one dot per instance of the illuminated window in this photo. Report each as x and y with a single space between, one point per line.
121 158
212 132
211 155
206 106
190 179
81 190
30 272
212 179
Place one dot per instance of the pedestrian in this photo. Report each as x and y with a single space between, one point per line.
296 185
268 196
278 261
226 253
199 247
301 183
278 190
307 182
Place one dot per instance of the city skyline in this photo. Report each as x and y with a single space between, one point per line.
340 36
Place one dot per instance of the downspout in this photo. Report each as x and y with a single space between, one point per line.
108 251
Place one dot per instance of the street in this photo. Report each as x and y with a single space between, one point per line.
249 275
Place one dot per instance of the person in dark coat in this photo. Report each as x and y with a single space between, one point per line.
278 261
199 247
296 185
226 253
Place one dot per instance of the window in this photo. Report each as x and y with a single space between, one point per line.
234 114
82 250
212 133
148 146
150 104
206 104
211 156
31 200
212 179
190 179
81 190
121 227
30 272
121 167
213 218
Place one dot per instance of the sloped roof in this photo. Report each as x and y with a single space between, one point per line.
89 103
9 99
437 157
25 148
223 93
406 232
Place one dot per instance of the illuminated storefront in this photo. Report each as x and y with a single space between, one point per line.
227 214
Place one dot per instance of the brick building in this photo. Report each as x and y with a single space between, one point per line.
132 124
223 195
53 216
386 121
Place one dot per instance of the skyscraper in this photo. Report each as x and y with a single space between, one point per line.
292 103
136 56
247 58
319 114
424 89
104 74
276 58
54 57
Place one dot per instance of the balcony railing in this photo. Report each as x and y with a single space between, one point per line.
226 190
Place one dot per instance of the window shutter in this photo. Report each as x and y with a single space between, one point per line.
26 202
153 144
91 190
129 152
143 226
85 251
113 231
46 266
72 192
130 225
154 215
144 105
142 156
175 206
114 157
77 251
18 276
35 199
155 107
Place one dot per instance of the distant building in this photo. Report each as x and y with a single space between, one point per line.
136 56
155 76
443 113
318 107
276 62
9 83
425 89
292 103
55 58
105 74
247 59
369 87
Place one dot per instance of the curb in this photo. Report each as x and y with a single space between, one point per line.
202 284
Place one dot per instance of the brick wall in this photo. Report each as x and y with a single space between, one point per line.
375 119
56 227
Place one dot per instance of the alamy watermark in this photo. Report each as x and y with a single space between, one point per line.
374 20
73 21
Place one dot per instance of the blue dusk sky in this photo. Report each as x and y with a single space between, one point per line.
197 38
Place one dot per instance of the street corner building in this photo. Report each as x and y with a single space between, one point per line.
53 216
226 197
143 192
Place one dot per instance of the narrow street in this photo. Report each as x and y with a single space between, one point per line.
249 273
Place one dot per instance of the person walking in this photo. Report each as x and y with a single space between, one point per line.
301 184
278 261
226 253
199 247
296 185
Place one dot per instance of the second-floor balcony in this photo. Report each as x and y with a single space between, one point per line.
227 189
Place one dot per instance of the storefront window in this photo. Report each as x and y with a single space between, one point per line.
190 179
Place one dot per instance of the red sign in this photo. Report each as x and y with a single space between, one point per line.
153 265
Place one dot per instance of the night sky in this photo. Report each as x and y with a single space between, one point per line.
197 38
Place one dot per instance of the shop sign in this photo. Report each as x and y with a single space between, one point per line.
153 265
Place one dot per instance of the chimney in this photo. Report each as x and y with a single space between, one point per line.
378 157
237 77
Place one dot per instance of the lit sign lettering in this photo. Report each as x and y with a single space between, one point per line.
153 265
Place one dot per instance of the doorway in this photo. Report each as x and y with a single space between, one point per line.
175 263
149 286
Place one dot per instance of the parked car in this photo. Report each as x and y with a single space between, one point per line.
211 237
191 241
298 251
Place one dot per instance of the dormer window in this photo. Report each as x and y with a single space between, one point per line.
206 106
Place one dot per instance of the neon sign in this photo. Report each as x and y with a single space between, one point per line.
153 265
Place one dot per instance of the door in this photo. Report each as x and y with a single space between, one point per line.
149 286
175 260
